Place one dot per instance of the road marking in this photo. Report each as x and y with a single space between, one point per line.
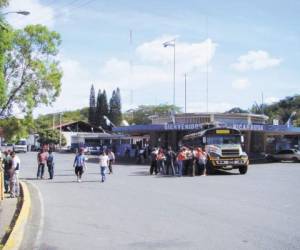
41 226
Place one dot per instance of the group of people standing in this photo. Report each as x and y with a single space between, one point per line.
45 158
106 160
188 161
11 164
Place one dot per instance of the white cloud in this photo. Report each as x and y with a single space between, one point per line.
189 56
255 60
271 99
38 13
149 72
240 84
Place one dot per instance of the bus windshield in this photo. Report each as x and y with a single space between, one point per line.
221 139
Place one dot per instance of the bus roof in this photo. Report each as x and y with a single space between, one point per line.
213 131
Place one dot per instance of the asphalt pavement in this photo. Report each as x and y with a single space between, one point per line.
132 210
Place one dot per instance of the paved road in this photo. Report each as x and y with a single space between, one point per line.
133 210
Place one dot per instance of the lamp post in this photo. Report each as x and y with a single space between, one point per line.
20 12
172 43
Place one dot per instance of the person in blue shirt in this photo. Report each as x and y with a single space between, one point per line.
79 164
50 164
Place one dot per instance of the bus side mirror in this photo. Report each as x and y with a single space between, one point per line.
242 139
204 140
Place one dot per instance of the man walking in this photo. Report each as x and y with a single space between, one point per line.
7 162
170 158
111 157
14 177
153 165
50 164
79 164
104 162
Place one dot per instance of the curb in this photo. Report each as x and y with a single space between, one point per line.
16 236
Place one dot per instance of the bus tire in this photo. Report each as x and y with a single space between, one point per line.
243 169
210 169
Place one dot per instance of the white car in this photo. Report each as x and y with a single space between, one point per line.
286 155
20 146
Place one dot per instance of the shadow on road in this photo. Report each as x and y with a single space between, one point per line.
74 181
139 173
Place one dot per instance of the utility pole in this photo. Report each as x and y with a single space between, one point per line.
60 114
262 103
185 93
206 24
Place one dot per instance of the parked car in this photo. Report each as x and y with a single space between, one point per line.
7 146
94 150
285 155
21 146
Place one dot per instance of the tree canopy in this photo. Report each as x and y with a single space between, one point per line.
51 137
141 114
31 69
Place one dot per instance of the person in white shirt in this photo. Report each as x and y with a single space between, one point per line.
14 177
103 161
111 157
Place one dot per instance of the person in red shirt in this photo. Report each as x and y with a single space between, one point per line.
200 160
161 161
181 157
42 161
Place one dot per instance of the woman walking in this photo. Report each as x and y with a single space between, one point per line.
104 162
79 164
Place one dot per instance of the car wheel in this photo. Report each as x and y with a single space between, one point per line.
295 159
210 169
243 169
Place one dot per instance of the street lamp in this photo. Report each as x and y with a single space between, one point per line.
20 12
172 43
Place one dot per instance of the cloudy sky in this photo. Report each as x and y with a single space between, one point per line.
243 48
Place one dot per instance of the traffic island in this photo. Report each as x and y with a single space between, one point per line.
14 234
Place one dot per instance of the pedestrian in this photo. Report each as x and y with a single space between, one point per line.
161 161
42 161
79 164
180 160
111 157
7 163
104 163
188 163
200 161
153 163
14 176
170 159
50 164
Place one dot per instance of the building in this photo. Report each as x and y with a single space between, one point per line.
260 137
81 134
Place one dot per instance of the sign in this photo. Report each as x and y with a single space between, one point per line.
182 126
252 127
222 131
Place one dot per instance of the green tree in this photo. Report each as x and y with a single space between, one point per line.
92 109
237 110
13 129
3 3
50 136
115 109
141 114
32 70
5 41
